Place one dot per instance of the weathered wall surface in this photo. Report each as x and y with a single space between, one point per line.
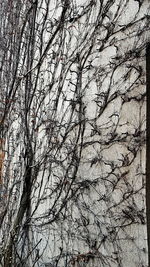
74 174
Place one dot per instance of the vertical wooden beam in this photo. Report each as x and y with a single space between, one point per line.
148 147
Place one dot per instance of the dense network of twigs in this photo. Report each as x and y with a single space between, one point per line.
72 132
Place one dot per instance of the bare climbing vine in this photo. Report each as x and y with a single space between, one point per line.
72 132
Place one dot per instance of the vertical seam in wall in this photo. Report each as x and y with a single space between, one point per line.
148 147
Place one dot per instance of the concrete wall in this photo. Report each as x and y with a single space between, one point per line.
86 126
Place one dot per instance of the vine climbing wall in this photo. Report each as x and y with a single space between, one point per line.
74 120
